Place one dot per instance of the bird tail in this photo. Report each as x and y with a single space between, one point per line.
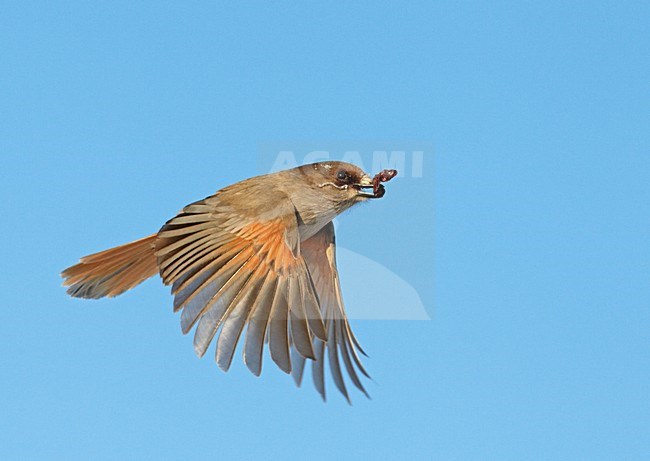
112 272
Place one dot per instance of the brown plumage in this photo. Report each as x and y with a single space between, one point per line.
259 256
112 272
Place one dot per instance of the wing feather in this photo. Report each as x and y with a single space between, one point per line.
311 305
256 330
335 366
345 347
297 366
278 327
195 297
190 283
231 270
300 334
319 253
237 318
217 307
318 368
180 260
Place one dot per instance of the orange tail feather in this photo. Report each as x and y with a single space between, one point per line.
112 272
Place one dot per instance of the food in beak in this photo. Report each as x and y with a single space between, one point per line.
382 176
378 190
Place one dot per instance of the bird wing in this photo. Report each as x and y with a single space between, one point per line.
319 252
231 268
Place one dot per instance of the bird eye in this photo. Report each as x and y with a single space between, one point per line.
341 175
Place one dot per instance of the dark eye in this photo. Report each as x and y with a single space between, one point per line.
342 176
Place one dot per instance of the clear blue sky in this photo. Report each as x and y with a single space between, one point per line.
526 238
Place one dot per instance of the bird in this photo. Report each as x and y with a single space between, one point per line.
257 258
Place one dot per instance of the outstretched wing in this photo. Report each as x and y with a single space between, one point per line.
231 268
319 252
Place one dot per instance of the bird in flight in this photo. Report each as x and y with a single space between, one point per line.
258 256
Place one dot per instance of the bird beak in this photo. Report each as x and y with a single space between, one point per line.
367 183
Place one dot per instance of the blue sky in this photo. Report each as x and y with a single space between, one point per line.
525 238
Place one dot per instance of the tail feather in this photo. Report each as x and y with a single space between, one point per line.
112 272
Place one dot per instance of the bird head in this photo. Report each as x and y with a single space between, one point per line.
342 181
326 189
